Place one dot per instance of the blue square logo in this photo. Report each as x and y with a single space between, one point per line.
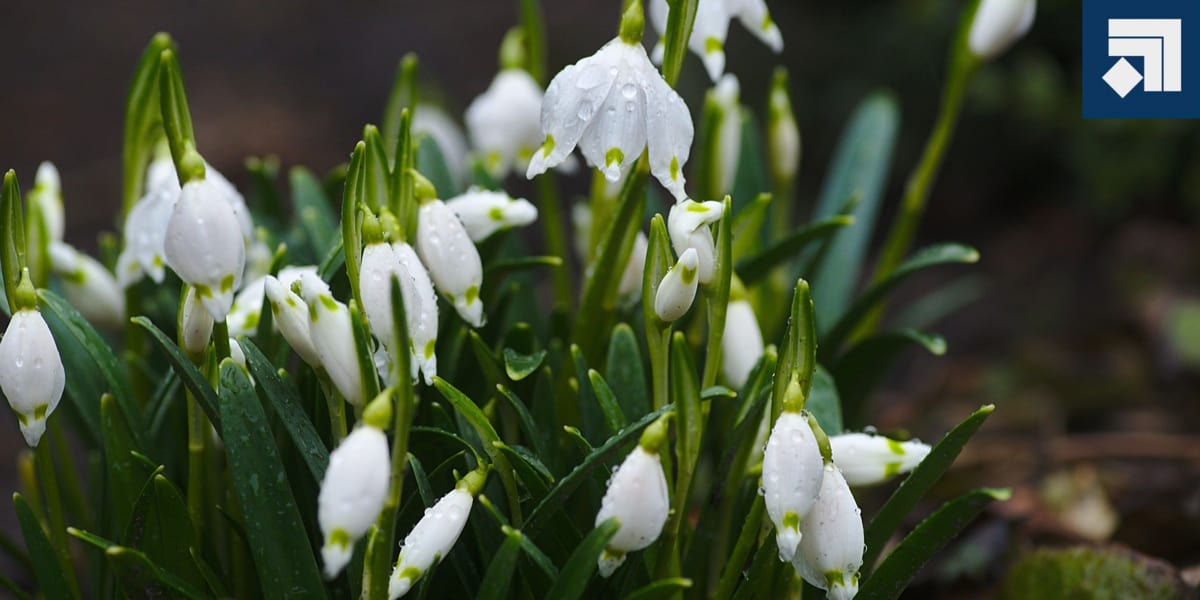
1141 59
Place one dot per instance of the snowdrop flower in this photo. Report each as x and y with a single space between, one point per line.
434 122
998 24
291 314
742 343
504 122
333 336
145 228
453 262
783 135
47 195
90 288
195 324
866 459
204 245
247 308
711 27
791 473
485 212
435 534
31 371
613 105
637 497
352 494
378 265
631 277
831 552
420 310
678 288
687 225
724 100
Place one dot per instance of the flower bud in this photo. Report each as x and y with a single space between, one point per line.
631 278
352 494
204 245
31 372
89 287
195 325
47 194
728 147
831 552
783 134
637 497
742 343
867 459
485 212
333 336
453 262
504 122
434 535
291 315
687 225
998 24
678 288
791 477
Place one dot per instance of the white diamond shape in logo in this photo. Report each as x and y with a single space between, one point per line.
1122 78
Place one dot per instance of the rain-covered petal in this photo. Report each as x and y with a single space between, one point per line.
678 288
204 245
867 459
333 336
792 469
352 494
453 262
290 315
484 212
434 535
669 133
830 554
572 101
637 497
615 138
420 309
31 372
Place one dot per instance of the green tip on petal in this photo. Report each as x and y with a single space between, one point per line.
26 296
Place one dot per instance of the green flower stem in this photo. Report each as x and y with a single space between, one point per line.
679 30
197 432
220 336
48 480
601 206
741 550
135 349
534 26
553 228
337 408
716 296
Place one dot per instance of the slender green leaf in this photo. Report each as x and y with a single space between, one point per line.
283 554
926 257
862 367
663 588
914 487
607 402
143 125
898 569
403 95
519 366
754 268
578 570
139 576
351 236
798 357
46 566
825 403
859 170
376 192
176 116
285 400
625 374
195 382
658 262
592 421
534 435
431 162
534 27
125 474
561 490
12 238
716 296
312 210
680 16
499 575
757 582
161 528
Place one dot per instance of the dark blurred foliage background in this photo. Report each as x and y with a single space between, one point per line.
1083 324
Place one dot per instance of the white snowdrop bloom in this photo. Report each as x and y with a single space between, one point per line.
831 552
998 24
204 244
504 123
637 497
613 105
434 122
195 324
247 308
728 132
434 535
631 277
332 335
687 225
791 477
484 212
380 262
89 287
235 200
420 309
378 265
867 459
145 227
678 288
47 194
290 314
352 494
453 262
31 372
742 343
711 27
783 134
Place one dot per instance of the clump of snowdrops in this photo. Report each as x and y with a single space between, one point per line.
275 405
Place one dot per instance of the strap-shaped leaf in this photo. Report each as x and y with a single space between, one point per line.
898 569
754 268
607 401
540 440
12 238
312 211
46 566
716 296
519 366
499 574
403 95
680 16
825 402
283 556
351 197
625 374
205 396
140 577
161 528
663 588
574 577
126 475
142 120
914 487
286 402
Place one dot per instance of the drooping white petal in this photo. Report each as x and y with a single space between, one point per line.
430 540
830 554
615 138
432 121
31 372
333 336
146 232
47 194
195 324
572 100
89 287
757 19
708 36
484 212
998 24
791 478
678 288
504 123
631 278
687 225
741 345
420 309
379 264
290 315
866 459
669 133
247 308
637 497
453 262
204 245
352 494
